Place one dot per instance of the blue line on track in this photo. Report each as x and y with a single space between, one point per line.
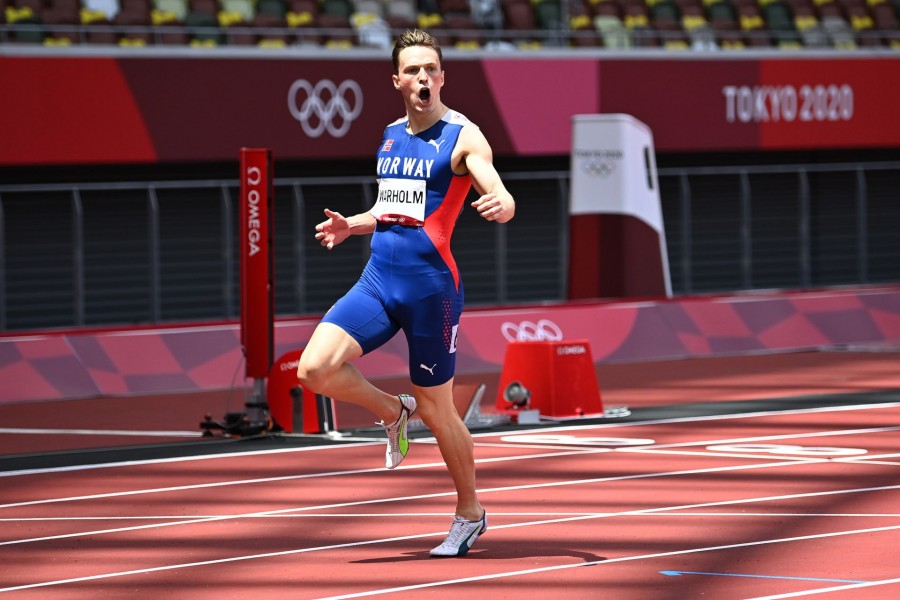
679 573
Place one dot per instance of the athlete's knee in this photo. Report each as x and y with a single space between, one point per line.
314 374
438 416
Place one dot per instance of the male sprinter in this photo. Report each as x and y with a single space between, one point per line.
427 162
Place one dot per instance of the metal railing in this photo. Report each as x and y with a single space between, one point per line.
788 226
116 254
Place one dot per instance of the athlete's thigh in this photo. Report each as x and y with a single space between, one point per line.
431 322
328 348
361 313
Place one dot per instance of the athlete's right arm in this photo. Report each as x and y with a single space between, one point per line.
337 228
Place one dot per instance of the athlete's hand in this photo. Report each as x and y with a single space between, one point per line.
334 230
490 207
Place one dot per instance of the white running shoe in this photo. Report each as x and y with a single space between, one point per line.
463 534
398 442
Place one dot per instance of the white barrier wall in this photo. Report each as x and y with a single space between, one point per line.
618 241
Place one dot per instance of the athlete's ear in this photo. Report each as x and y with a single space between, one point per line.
396 80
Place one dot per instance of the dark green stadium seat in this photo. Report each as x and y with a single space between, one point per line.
548 14
722 16
274 8
665 16
204 28
778 17
26 20
28 31
339 8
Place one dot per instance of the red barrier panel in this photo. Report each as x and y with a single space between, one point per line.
196 357
559 375
293 407
303 110
257 261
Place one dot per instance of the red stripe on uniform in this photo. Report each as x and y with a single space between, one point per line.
439 225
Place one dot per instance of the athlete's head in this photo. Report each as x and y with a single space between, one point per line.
418 75
410 38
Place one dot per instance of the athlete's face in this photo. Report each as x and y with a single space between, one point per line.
419 78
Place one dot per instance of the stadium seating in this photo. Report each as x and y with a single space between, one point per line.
520 22
64 15
26 20
400 13
612 24
613 32
135 19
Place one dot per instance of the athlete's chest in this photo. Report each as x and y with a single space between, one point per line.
424 156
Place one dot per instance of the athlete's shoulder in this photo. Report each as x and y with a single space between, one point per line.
457 118
401 121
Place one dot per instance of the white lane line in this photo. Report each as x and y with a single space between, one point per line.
645 449
495 575
871 458
443 494
180 459
711 454
405 499
329 515
784 436
620 560
839 588
731 417
786 462
195 486
480 435
789 463
803 515
863 461
110 432
321 515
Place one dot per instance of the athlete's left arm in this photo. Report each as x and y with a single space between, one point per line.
495 203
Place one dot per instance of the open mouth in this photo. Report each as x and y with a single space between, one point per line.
425 94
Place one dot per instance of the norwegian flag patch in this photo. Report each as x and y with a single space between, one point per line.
387 146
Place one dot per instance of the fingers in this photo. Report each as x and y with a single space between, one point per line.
324 238
331 217
489 207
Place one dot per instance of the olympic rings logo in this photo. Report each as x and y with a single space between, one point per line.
544 330
598 168
327 106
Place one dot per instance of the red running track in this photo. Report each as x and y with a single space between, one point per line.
107 422
769 505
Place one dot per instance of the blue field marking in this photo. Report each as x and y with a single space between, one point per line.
679 573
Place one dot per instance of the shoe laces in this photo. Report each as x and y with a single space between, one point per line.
393 436
458 533
393 430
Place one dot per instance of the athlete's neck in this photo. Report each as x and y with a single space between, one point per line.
419 122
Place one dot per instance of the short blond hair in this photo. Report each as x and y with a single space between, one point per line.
410 38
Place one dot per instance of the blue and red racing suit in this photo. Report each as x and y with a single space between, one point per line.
411 281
